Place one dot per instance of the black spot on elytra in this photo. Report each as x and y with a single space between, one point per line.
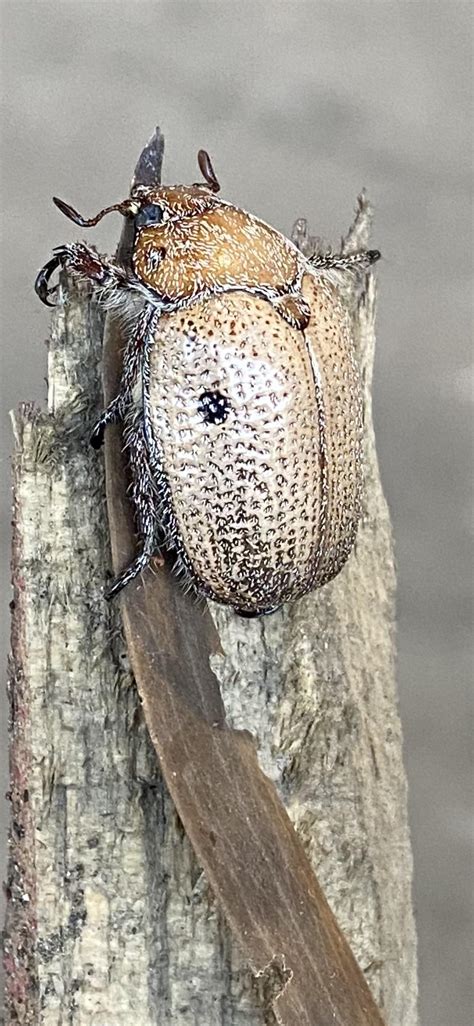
214 407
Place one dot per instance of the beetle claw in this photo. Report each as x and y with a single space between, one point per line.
97 437
42 280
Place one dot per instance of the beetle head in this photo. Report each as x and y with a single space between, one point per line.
157 205
153 206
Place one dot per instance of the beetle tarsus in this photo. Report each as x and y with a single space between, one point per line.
97 435
112 415
133 570
360 261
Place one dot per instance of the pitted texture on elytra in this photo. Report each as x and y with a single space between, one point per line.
250 494
220 248
329 340
245 492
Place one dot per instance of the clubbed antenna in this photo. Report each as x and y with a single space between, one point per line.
207 171
125 207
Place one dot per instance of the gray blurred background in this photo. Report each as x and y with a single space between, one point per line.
300 104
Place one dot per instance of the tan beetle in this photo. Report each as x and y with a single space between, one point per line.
240 395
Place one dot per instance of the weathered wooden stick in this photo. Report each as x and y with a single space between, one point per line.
110 919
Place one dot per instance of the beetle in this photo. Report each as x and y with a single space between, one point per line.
240 394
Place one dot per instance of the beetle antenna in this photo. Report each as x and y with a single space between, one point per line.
207 171
125 208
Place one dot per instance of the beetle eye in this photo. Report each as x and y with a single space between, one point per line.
151 214
214 407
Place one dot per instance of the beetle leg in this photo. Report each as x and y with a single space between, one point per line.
109 281
361 261
132 363
83 262
146 502
113 414
294 309
131 571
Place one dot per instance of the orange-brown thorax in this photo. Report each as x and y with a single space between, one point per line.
207 245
